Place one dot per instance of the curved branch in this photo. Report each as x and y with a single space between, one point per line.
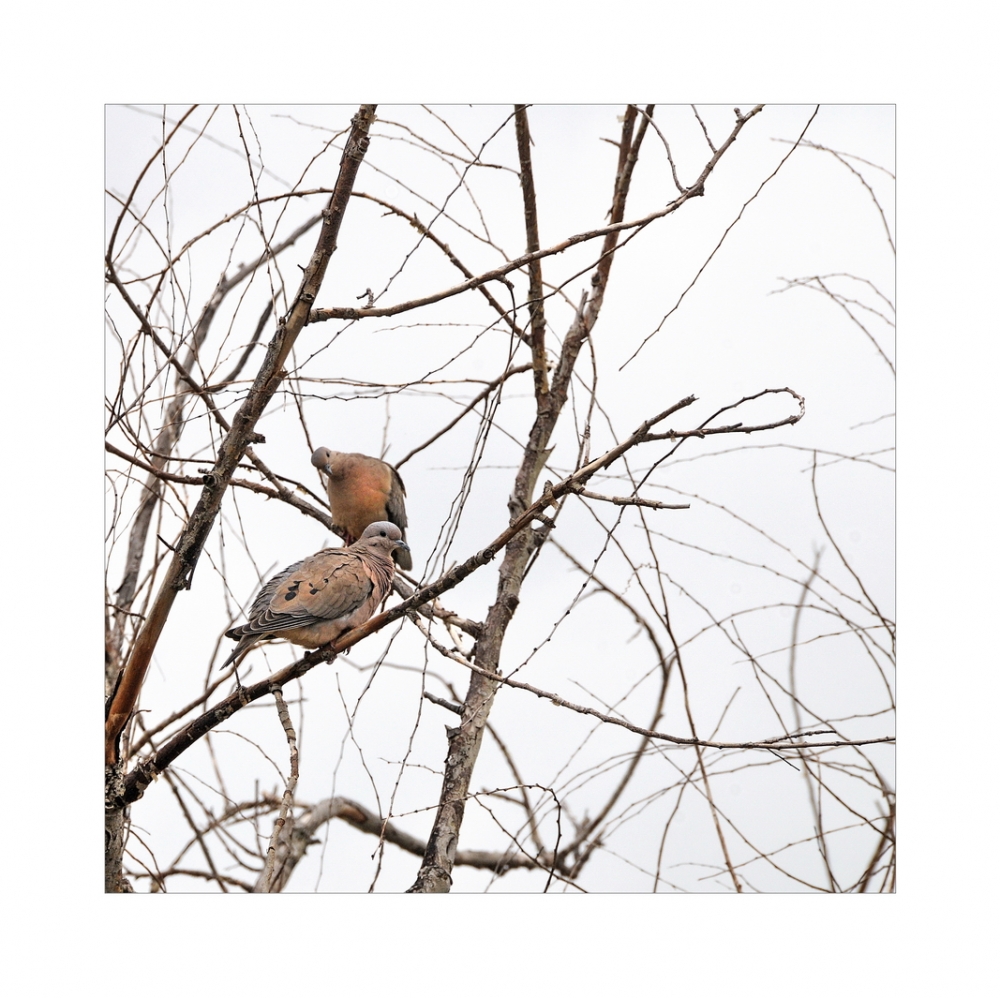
196 532
323 314
448 252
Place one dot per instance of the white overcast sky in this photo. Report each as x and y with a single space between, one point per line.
67 63
730 338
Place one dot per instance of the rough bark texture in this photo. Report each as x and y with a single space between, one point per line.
115 818
239 436
518 541
464 741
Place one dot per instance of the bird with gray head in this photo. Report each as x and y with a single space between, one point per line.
314 601
363 490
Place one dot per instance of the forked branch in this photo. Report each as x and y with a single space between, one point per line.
234 444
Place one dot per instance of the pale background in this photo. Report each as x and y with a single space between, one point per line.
731 337
868 51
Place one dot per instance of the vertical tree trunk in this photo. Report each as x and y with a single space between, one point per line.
202 519
464 741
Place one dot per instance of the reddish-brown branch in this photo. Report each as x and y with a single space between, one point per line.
139 778
196 532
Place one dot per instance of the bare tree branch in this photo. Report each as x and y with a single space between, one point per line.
664 677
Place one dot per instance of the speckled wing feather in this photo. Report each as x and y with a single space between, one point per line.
315 600
330 584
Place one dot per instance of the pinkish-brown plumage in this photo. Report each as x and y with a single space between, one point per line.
363 490
317 599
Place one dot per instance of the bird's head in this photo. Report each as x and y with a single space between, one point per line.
382 536
321 458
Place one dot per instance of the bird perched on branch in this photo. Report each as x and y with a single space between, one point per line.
363 490
317 599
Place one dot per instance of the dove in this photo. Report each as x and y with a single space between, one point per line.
363 490
320 597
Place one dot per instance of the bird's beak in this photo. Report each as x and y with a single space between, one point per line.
403 545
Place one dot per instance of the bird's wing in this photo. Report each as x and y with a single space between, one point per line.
395 505
328 585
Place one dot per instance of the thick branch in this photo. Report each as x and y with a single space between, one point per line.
464 741
231 450
139 778
293 846
269 881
